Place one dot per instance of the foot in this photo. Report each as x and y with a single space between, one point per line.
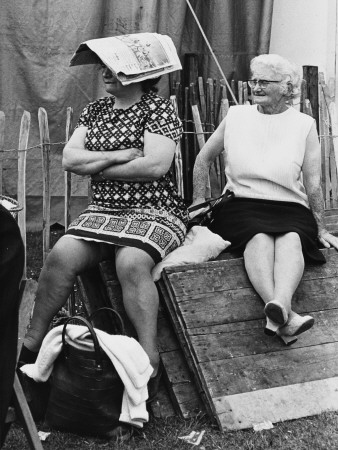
153 384
270 327
296 325
37 394
276 312
27 356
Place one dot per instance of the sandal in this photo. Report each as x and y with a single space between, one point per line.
296 325
276 312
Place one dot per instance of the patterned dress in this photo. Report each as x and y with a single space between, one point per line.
148 215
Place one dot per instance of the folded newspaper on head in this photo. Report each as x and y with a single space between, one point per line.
131 57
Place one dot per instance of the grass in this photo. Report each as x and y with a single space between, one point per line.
311 433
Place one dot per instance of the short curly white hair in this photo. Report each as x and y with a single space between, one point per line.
281 67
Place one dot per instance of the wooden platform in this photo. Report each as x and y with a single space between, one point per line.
246 376
182 392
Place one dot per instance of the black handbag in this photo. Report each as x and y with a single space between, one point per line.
86 390
205 218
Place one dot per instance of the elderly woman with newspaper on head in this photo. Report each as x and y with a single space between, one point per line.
125 142
273 166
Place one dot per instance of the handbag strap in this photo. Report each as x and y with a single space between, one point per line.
226 196
121 326
84 321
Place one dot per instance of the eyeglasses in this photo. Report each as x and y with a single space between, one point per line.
263 84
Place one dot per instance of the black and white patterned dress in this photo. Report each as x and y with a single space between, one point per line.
148 215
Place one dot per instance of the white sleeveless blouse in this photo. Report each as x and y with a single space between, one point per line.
264 153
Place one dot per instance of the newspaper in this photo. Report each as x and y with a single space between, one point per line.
131 57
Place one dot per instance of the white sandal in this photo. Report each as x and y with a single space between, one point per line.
295 325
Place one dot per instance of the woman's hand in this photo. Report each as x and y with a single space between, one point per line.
328 239
129 154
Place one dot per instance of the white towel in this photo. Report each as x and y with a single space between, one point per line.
128 357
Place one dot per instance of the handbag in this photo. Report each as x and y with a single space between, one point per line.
205 218
86 390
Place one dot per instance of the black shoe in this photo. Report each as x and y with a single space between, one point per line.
154 384
37 395
27 356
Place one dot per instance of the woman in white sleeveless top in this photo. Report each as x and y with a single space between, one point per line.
273 166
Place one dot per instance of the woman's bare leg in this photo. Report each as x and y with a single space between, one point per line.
259 257
140 297
68 258
288 268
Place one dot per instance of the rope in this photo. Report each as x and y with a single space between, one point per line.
212 52
30 148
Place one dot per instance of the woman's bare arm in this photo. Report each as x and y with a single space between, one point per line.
77 159
213 147
312 183
158 154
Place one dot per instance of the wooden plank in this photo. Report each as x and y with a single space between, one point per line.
245 93
263 371
240 92
277 404
200 139
325 141
68 175
178 362
213 276
226 307
28 290
202 98
178 162
228 341
190 401
2 146
162 408
21 182
198 126
45 154
310 75
24 413
334 129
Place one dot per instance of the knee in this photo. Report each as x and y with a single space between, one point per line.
257 242
59 260
292 239
129 272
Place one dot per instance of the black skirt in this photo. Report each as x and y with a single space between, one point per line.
240 219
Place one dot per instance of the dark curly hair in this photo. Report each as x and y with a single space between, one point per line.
150 85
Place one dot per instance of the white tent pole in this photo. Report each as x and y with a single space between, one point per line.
212 52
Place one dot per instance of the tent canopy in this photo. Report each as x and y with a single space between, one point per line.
38 39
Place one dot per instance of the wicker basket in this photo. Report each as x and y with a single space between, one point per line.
11 205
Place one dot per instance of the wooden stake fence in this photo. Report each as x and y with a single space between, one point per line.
207 104
45 153
22 156
2 138
68 175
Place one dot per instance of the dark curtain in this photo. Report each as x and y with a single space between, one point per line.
38 38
